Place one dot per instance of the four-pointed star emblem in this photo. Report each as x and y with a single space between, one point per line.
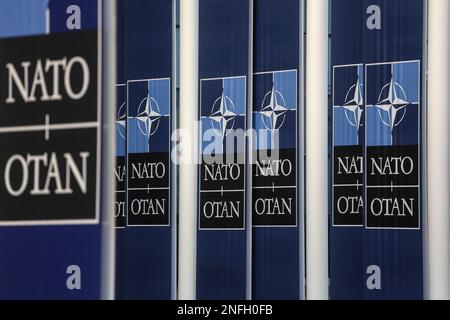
389 99
392 105
355 105
121 120
224 115
274 111
149 116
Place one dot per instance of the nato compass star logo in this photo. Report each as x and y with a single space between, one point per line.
222 107
392 103
149 116
223 115
273 110
354 105
121 120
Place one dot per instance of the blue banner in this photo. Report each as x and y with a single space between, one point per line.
224 76
68 15
147 248
277 268
51 245
120 173
23 18
376 237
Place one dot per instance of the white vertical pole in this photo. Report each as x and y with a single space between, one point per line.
109 38
438 116
188 169
173 167
249 176
317 150
301 152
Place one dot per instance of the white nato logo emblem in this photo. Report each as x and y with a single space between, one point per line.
121 118
273 110
353 105
148 116
223 115
392 103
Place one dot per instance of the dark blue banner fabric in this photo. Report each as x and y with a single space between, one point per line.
377 214
145 257
51 234
277 271
223 87
68 15
23 18
120 173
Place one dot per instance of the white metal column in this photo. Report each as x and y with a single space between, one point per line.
189 147
438 141
109 38
317 149
249 173
174 157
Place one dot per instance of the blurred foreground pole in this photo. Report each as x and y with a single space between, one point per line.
438 149
317 150
188 146
109 147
